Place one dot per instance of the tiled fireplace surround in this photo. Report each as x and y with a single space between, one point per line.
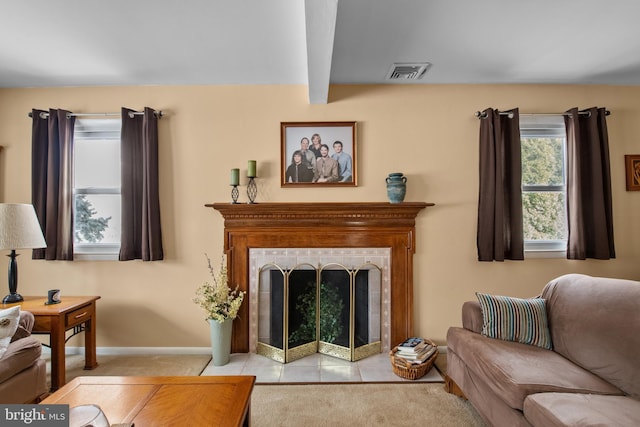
288 258
327 226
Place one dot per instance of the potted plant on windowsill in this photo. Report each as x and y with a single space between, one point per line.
221 305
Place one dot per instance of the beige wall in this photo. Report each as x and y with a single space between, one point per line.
427 132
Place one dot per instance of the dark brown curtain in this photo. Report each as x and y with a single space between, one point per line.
52 181
589 211
141 233
500 229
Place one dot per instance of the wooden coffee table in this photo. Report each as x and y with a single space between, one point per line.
163 401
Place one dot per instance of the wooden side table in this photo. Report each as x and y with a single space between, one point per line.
73 312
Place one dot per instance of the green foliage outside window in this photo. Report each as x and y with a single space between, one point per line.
88 228
543 211
544 216
542 161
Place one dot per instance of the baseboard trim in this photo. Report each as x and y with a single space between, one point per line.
133 351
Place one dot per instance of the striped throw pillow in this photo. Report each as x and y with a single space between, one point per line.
515 319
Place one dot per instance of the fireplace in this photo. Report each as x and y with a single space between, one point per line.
334 301
321 226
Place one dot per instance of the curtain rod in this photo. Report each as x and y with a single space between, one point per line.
45 115
483 115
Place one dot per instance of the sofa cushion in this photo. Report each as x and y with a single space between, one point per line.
8 324
490 406
570 409
19 356
515 319
594 322
515 370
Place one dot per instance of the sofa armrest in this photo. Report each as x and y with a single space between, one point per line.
25 326
472 316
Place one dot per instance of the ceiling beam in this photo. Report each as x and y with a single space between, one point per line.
320 20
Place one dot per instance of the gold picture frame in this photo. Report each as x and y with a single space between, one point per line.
309 167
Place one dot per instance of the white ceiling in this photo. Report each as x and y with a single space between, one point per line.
317 42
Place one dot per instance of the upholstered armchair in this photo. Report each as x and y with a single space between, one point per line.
23 374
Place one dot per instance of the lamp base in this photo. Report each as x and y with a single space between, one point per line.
11 298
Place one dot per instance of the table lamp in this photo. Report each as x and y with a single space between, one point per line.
19 229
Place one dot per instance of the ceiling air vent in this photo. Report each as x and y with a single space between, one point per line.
413 71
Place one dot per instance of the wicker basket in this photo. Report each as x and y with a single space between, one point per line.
410 371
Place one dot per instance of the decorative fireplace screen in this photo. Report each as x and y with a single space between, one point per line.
329 309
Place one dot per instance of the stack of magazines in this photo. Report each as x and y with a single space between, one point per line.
415 350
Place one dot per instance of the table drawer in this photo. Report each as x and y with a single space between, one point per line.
79 315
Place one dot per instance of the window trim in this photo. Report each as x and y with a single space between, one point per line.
95 252
88 130
545 126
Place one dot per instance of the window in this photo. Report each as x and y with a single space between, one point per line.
96 188
543 141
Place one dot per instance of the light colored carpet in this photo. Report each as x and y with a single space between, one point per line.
352 404
132 365
382 404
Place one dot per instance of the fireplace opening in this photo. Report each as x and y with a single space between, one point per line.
330 309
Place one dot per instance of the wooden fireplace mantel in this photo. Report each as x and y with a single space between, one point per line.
323 225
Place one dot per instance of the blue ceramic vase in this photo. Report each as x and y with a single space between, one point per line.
396 187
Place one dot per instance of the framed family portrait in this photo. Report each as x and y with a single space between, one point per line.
632 167
318 154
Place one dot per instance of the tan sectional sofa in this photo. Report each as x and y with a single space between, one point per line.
591 376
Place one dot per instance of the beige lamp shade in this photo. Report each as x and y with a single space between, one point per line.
19 227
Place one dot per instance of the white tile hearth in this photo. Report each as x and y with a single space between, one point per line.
317 368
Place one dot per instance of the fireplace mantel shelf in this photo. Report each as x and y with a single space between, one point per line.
331 215
324 225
